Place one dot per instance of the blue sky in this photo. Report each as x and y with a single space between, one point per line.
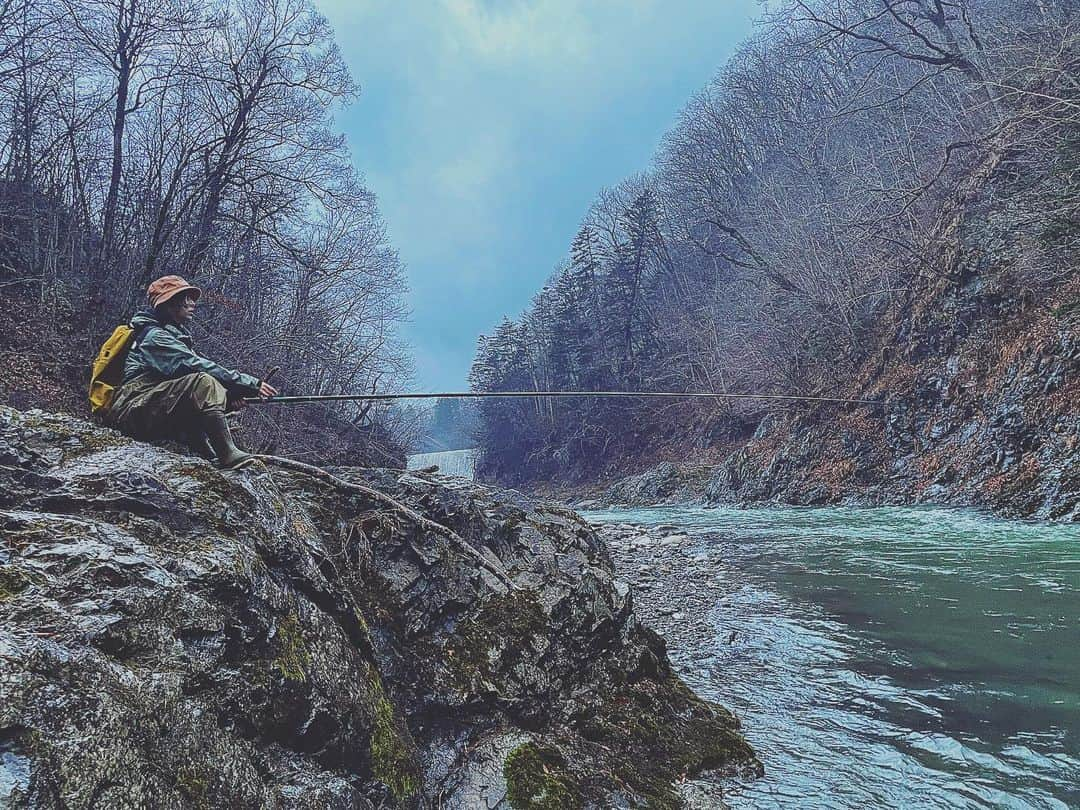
487 127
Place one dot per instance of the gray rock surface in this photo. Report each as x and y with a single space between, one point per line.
970 417
974 412
171 636
665 483
679 585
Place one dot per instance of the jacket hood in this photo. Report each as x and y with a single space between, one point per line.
144 317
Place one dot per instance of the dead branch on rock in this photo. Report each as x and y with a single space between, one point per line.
425 523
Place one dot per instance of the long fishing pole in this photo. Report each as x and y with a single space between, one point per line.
300 400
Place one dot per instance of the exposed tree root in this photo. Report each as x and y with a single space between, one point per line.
411 514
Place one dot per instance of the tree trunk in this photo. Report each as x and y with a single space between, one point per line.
123 84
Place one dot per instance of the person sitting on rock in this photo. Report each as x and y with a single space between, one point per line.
169 390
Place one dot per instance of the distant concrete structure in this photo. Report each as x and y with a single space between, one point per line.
461 463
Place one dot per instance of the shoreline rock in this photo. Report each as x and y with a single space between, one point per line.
182 637
798 461
678 586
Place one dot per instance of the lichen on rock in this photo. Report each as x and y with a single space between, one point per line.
293 659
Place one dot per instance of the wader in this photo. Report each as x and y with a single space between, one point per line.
190 407
151 408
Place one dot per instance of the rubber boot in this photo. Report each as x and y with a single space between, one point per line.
229 456
200 445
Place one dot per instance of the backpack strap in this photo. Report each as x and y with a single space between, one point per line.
140 333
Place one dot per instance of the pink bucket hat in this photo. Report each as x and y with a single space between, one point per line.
167 287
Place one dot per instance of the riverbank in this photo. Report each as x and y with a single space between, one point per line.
1014 453
675 587
888 657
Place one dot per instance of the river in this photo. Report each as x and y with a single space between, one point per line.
890 657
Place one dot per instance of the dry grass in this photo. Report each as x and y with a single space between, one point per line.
1061 402
861 423
1029 469
929 464
763 451
835 473
44 362
994 486
898 379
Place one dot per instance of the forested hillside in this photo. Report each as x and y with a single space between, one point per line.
864 187
140 138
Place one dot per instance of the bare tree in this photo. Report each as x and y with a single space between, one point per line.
130 39
275 63
802 201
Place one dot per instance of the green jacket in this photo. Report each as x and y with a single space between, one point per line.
168 352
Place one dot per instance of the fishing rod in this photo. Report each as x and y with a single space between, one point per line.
308 398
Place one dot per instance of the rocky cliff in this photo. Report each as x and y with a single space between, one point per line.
977 378
176 637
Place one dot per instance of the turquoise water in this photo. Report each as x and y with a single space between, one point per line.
891 656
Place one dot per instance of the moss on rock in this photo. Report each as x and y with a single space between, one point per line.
95 442
537 779
293 658
661 732
393 758
13 581
194 786
505 622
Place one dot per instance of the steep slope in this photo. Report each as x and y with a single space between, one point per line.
871 203
978 380
176 637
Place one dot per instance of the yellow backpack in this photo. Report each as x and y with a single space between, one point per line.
107 372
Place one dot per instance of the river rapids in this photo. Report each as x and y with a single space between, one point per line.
890 657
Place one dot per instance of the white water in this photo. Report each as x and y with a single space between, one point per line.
450 462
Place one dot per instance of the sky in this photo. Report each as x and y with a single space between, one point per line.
487 127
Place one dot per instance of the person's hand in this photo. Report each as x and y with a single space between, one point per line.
266 390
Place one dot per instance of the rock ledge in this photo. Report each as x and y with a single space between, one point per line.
174 637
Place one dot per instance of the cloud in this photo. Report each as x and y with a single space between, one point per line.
509 33
447 201
517 32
